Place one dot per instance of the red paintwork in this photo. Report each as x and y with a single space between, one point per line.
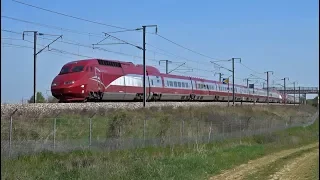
108 74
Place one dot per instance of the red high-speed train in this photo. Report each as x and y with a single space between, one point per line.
109 80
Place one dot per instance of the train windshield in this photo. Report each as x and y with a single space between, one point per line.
77 69
68 69
64 70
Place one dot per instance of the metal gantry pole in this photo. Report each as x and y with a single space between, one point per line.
268 87
294 93
233 89
144 61
35 53
284 88
268 91
34 64
228 95
299 96
144 66
233 95
166 66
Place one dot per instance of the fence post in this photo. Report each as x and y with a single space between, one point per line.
144 131
230 129
223 130
240 132
182 130
210 130
197 134
119 143
10 131
10 136
54 132
90 132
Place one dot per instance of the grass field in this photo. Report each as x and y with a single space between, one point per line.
175 162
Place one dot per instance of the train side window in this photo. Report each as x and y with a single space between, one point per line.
167 83
183 84
187 84
179 84
152 82
175 84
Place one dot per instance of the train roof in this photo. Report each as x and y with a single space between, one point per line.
154 70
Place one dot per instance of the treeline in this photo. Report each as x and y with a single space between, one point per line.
313 102
41 99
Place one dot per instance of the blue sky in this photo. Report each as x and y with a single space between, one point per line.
281 36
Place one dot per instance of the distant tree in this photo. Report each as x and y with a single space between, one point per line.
52 99
313 102
39 98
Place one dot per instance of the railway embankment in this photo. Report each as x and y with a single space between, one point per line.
154 122
192 160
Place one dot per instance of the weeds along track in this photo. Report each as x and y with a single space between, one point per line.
54 108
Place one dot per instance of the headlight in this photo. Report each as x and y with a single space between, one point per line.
69 82
53 84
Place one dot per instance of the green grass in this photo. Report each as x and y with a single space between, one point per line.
175 162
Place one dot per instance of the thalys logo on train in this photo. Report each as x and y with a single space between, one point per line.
97 76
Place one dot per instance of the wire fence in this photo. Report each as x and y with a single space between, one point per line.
22 136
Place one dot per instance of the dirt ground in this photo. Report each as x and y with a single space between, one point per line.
301 167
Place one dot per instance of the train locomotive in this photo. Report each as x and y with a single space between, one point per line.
109 80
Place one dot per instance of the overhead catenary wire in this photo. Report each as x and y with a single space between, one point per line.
16 45
82 45
63 52
125 29
70 16
99 23
169 54
52 50
185 47
250 69
97 48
